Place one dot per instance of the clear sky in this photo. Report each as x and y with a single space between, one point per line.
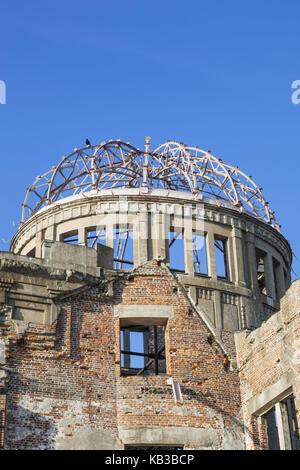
216 74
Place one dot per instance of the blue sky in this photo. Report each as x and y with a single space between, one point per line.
214 74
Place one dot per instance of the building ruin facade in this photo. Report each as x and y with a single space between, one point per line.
146 302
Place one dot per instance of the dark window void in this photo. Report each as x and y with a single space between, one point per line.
289 403
95 235
260 270
272 429
71 237
152 447
31 253
123 247
199 254
143 350
176 250
287 415
286 281
221 258
276 267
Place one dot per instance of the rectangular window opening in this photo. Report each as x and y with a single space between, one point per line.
123 247
221 258
284 411
199 254
260 270
31 253
71 237
143 350
95 235
272 430
289 403
276 266
176 250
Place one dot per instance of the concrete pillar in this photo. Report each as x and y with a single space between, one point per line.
218 311
211 256
229 253
269 275
50 233
280 280
251 261
140 238
38 246
283 426
109 239
193 293
82 236
160 227
188 245
238 257
110 235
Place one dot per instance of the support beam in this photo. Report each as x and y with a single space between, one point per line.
251 261
283 426
81 236
280 281
188 246
238 257
211 256
269 275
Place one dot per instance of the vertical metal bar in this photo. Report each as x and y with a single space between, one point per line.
196 261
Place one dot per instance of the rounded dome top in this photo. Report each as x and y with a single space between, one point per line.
172 165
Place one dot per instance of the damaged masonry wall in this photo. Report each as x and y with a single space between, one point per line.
269 365
61 313
62 380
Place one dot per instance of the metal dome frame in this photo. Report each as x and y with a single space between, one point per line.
171 165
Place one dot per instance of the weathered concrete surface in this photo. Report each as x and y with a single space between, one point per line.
188 437
269 365
66 376
60 319
89 439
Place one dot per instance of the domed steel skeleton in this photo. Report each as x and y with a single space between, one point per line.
172 166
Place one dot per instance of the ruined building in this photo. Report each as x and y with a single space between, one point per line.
146 302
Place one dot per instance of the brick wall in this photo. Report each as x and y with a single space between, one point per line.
268 355
65 389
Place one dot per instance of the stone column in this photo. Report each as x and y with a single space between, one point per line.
188 245
251 261
109 239
211 256
38 246
238 257
160 235
50 233
218 311
283 426
269 275
140 238
280 280
81 236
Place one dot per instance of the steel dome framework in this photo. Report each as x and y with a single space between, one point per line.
172 166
